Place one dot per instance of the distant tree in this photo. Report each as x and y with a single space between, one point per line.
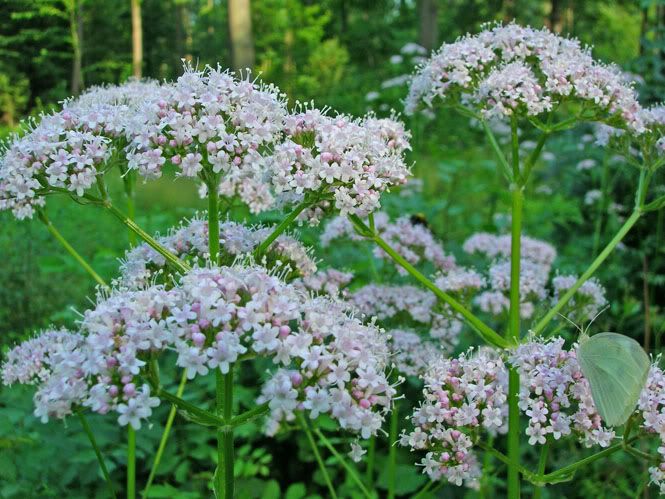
137 39
75 11
428 27
240 32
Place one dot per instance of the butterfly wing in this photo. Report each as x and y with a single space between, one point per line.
617 368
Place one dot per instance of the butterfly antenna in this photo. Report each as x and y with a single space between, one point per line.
576 326
595 317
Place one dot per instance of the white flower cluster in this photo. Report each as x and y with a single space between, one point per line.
462 398
508 69
412 355
555 395
421 307
355 160
142 265
209 122
651 408
414 241
328 361
67 149
588 300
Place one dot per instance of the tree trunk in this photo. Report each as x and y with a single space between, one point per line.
428 25
137 39
76 32
240 33
555 21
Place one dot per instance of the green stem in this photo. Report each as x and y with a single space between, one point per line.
542 463
392 451
533 157
503 162
178 264
514 139
371 455
486 332
213 221
349 469
625 228
165 435
284 224
203 417
70 249
228 435
428 488
128 179
131 463
322 466
567 470
98 453
513 334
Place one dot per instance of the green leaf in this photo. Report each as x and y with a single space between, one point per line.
296 491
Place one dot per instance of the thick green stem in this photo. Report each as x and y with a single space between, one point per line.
542 463
625 228
349 469
173 260
131 463
70 249
486 332
392 451
315 450
165 436
98 453
284 225
513 334
224 480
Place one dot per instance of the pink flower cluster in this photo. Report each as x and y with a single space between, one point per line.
555 395
68 149
587 301
462 398
327 361
142 265
508 69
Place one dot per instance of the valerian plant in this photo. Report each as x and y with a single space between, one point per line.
214 295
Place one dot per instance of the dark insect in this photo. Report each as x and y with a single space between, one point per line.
419 219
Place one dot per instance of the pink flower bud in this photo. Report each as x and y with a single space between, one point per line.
296 379
129 390
113 391
284 331
364 403
176 160
126 379
199 339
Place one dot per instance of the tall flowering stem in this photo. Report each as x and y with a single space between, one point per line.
513 334
98 453
392 451
349 469
70 249
486 332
